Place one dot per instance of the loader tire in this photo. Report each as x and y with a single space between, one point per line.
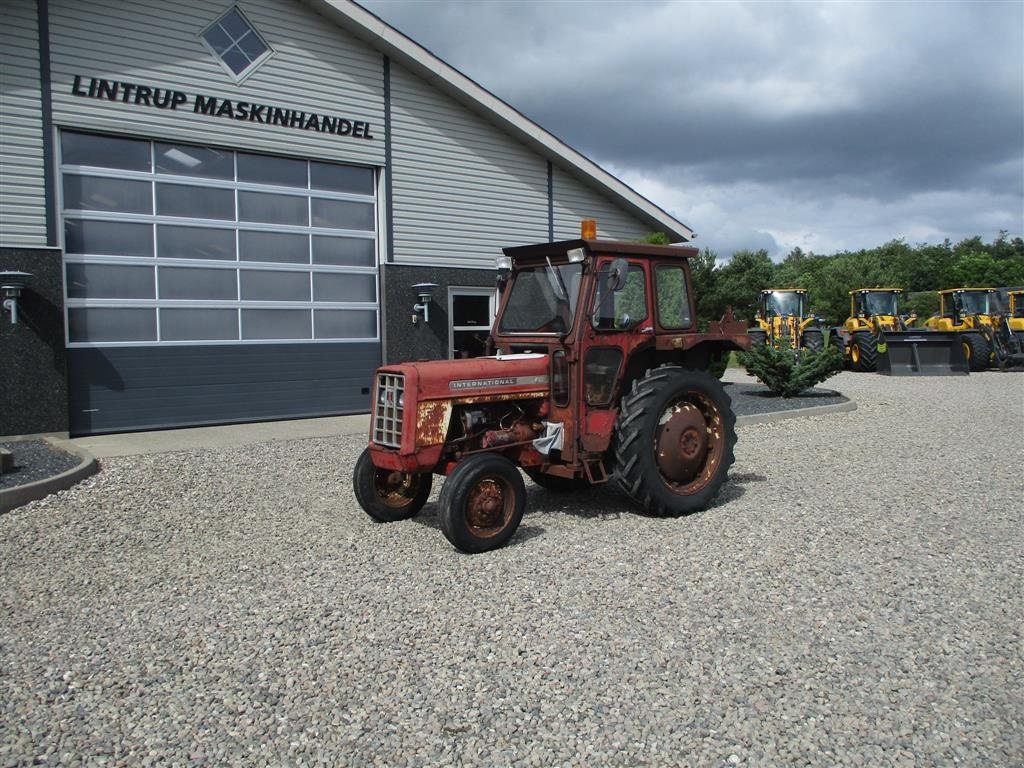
812 341
556 484
863 352
388 496
976 350
674 441
481 503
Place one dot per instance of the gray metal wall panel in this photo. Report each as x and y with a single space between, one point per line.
317 67
134 388
574 201
22 179
462 188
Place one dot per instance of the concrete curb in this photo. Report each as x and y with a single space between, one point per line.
794 413
23 494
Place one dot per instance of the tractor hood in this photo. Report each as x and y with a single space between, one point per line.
476 377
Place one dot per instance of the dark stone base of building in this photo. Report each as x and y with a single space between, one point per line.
33 366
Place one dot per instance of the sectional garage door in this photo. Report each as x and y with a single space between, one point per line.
207 285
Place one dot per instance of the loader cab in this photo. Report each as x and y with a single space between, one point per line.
1016 308
967 301
881 302
787 302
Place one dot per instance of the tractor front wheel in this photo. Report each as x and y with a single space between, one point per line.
674 441
388 496
482 503
976 350
863 352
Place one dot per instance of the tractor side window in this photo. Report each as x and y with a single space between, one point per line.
559 378
622 309
600 372
673 300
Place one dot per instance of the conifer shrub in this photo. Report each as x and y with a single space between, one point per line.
789 372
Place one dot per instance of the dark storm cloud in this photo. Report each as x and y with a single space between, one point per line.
809 103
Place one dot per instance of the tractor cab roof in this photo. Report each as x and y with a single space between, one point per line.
961 290
598 247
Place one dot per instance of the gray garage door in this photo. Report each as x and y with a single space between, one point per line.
206 285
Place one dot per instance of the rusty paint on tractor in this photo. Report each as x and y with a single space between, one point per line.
432 419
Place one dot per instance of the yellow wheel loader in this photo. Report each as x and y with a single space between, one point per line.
969 312
871 310
783 314
878 337
1006 334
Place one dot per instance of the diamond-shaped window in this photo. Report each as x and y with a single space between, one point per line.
236 43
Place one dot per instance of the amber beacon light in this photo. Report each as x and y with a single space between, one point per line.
588 229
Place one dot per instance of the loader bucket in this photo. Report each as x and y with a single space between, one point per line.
922 353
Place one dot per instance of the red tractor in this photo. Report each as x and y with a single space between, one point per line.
599 374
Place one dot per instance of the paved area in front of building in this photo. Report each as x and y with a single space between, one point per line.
853 598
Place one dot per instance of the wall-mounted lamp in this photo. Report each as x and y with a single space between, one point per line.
11 285
504 266
425 291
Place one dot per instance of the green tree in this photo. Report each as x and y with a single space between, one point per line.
740 282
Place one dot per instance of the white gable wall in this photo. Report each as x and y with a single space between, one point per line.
22 187
462 188
574 201
317 67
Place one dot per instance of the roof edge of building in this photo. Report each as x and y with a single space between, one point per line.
375 31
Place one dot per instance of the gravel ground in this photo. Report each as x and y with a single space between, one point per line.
35 460
749 399
850 601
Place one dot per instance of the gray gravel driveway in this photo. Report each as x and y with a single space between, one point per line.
854 599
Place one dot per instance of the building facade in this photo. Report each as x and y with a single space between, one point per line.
226 210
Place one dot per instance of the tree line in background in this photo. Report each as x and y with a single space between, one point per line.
920 270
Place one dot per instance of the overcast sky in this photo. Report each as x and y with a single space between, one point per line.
767 125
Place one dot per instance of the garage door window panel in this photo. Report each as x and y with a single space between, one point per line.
274 247
199 162
274 171
83 149
344 251
258 285
341 287
342 214
104 324
107 281
108 238
210 243
345 323
341 178
267 324
267 208
98 193
195 202
194 324
198 284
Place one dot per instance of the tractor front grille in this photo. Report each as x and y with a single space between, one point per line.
389 402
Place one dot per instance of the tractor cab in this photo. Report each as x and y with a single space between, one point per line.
875 302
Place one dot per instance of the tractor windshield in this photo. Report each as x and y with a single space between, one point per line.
974 302
881 303
784 303
542 299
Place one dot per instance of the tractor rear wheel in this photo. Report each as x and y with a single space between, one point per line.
554 483
482 503
976 350
674 441
812 341
863 352
388 496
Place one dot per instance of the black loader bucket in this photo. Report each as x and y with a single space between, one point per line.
922 353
